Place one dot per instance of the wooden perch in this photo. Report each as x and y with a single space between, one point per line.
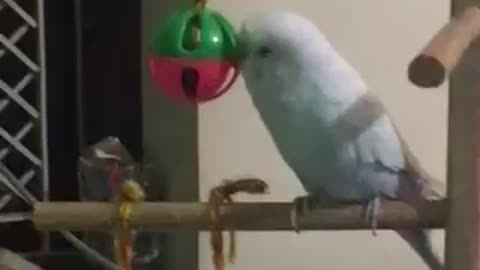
443 52
169 216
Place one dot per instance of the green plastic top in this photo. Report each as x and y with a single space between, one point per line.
174 36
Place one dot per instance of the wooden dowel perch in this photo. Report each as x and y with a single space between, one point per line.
431 67
166 216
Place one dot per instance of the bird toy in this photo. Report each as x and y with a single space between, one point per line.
192 54
130 192
219 195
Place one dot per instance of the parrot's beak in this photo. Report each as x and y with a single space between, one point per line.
241 51
239 56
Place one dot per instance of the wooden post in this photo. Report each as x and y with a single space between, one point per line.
463 227
458 43
170 143
177 216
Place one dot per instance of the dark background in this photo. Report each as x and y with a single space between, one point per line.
94 91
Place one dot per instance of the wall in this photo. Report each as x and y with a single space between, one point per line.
379 38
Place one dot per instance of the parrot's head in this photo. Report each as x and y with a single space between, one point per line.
274 45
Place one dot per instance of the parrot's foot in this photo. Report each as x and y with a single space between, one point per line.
303 205
371 213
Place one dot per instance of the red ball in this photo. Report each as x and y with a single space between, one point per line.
192 80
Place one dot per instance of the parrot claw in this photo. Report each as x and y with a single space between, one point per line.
371 214
302 205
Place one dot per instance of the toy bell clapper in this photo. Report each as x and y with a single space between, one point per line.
193 54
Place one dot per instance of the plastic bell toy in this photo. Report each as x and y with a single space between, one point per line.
193 54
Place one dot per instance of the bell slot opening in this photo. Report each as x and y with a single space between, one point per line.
192 36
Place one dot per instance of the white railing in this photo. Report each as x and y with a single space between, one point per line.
35 160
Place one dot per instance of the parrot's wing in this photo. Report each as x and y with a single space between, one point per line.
381 142
376 140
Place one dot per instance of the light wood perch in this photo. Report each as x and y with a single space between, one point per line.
431 67
168 216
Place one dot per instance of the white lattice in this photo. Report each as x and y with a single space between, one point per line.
33 161
30 157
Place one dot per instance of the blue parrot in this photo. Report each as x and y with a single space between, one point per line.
329 128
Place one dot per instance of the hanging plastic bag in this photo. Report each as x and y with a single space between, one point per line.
102 169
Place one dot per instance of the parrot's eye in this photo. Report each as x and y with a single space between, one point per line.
264 51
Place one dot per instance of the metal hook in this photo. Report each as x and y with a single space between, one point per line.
199 6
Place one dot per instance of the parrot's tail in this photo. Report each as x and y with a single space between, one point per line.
419 240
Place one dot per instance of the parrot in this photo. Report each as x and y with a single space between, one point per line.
329 128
